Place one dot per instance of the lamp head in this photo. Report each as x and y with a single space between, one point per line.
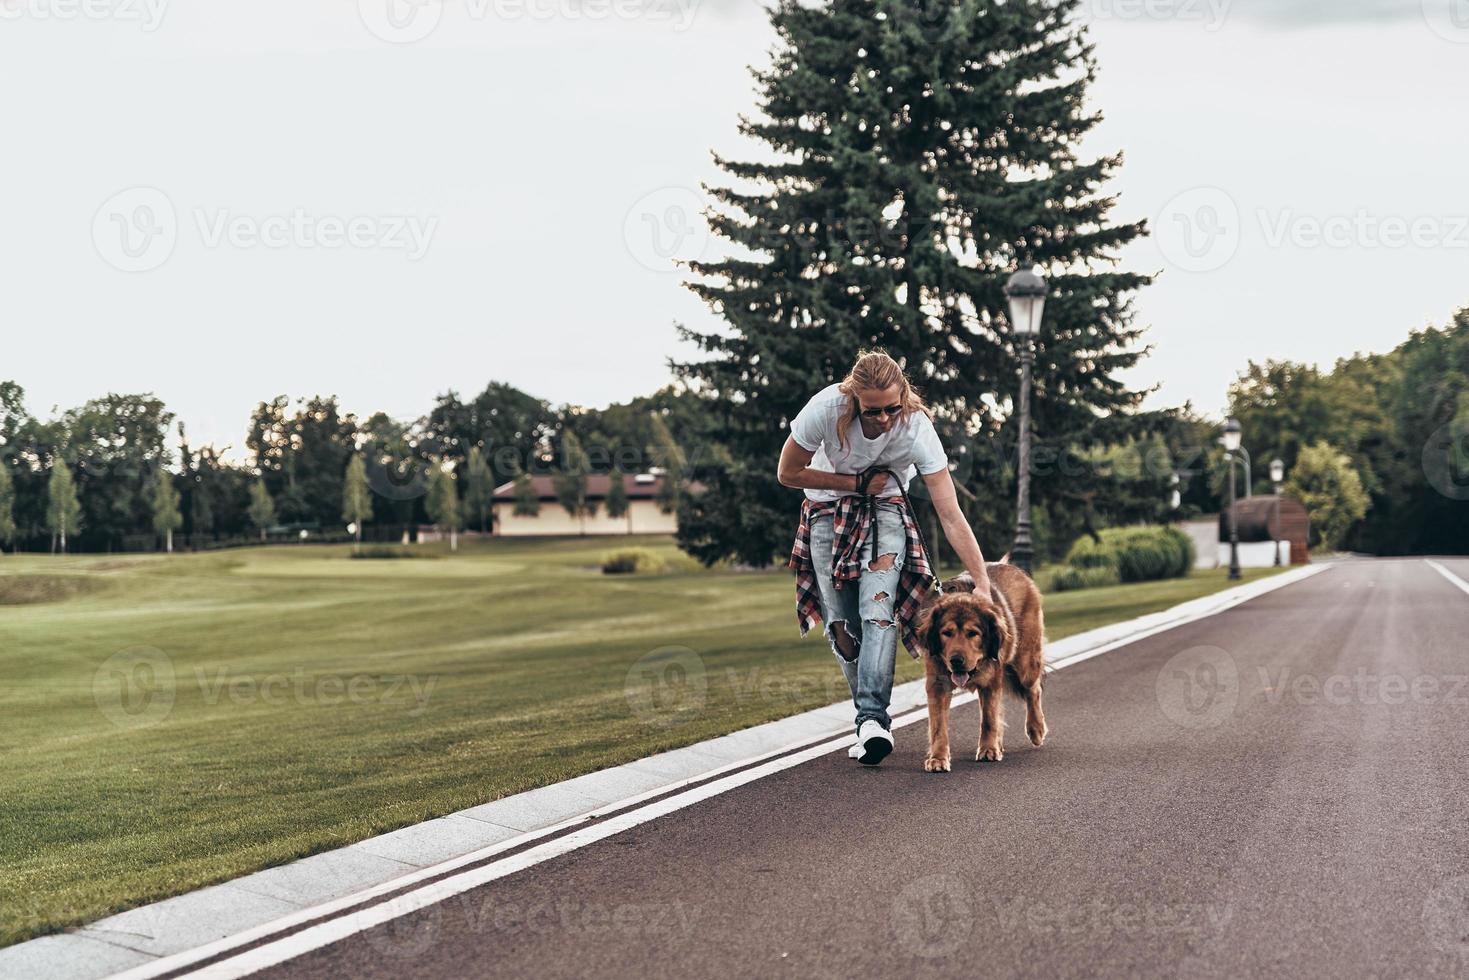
1026 292
1232 435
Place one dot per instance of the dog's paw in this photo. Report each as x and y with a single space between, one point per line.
1037 734
935 765
989 753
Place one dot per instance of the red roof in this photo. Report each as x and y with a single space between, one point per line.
597 485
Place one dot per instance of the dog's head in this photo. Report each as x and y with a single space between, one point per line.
962 629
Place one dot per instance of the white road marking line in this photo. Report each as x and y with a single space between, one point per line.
334 930
183 958
1448 574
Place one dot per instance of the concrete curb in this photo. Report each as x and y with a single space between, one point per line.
170 934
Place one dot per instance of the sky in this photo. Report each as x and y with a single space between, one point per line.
219 202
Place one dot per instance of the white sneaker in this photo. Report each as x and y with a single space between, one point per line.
855 752
874 741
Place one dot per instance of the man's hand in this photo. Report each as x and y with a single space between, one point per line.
956 529
871 481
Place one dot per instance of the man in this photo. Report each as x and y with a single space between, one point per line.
872 419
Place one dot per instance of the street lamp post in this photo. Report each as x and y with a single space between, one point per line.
1026 292
1232 438
1277 477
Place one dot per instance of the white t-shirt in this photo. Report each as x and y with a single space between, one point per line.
910 446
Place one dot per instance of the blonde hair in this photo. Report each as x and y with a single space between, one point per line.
875 370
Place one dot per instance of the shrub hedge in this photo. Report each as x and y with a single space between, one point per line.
632 561
1125 554
1069 578
1137 554
386 551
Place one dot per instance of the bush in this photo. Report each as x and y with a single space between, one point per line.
1136 554
632 561
386 551
1069 578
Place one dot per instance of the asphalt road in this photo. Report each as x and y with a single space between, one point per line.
1279 790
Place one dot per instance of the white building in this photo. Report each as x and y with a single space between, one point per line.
643 516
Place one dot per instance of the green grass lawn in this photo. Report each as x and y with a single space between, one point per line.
170 722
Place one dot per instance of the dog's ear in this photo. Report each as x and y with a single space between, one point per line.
994 636
930 620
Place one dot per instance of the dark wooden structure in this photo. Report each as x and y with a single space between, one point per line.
1271 518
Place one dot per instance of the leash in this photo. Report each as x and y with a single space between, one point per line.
871 501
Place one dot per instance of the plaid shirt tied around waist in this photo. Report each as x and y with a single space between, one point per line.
853 524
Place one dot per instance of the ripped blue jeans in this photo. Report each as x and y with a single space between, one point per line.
864 610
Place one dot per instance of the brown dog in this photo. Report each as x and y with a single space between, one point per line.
978 643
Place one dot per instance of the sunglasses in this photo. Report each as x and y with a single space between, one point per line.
873 413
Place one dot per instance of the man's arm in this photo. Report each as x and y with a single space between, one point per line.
795 471
956 529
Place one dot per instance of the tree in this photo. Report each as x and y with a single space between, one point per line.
1325 482
303 456
115 444
571 481
356 497
1285 406
479 487
921 153
63 510
617 495
668 457
1126 483
165 504
195 497
262 507
443 502
1401 418
204 474
508 424
13 414
7 503
1419 457
396 469
527 502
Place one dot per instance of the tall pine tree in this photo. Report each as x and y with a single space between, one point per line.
262 507
479 487
165 507
356 497
923 154
63 509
